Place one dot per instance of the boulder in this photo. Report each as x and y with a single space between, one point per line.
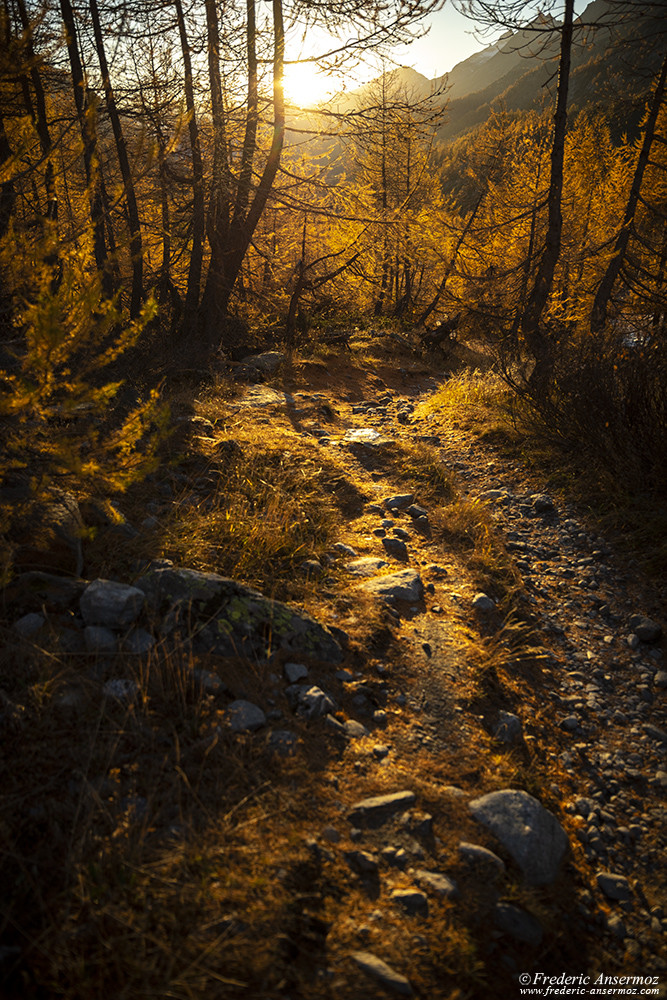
238 621
113 605
403 586
382 973
375 811
529 832
246 717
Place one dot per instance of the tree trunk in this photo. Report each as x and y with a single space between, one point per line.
86 115
244 223
136 251
538 342
603 294
196 256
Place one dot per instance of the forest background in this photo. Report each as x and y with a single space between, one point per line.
161 204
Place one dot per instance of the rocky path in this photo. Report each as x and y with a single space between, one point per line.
601 731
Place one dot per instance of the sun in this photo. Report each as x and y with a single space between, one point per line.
305 86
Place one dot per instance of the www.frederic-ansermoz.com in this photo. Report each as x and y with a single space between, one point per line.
538 984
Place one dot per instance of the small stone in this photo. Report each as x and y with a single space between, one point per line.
365 566
209 682
660 679
411 900
344 550
29 624
377 810
376 969
399 502
309 701
416 512
331 834
395 548
483 603
246 717
295 672
355 730
283 742
542 504
616 926
482 857
508 728
380 751
100 640
439 884
655 733
138 642
111 604
614 886
120 689
403 586
312 567
645 629
570 724
362 861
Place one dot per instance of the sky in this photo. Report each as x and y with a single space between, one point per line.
450 39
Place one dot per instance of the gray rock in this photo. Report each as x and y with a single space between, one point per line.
439 884
99 639
267 363
355 730
309 701
331 834
246 717
120 689
528 831
138 642
614 886
415 511
283 742
239 621
366 436
570 724
400 501
366 566
382 973
482 602
209 683
659 735
312 567
542 504
403 586
114 605
295 672
508 728
29 624
395 548
410 900
645 628
261 395
616 926
344 550
518 924
482 858
362 862
375 811
660 679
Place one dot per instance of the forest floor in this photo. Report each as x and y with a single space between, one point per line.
196 859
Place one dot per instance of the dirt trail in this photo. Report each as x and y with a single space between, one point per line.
592 741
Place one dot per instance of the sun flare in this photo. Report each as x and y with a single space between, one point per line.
305 86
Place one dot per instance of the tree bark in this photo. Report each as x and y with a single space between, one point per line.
86 115
194 272
537 340
134 223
